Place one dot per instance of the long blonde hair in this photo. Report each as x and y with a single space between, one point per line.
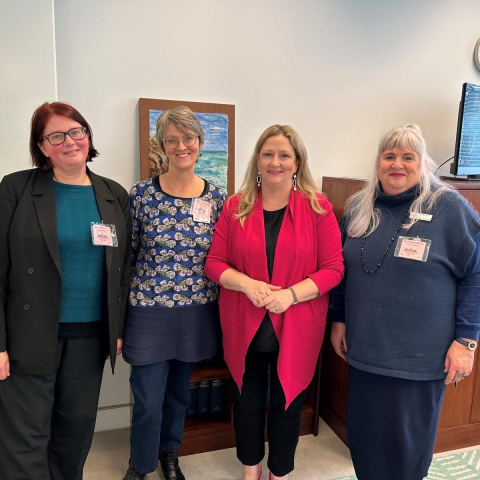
363 217
305 183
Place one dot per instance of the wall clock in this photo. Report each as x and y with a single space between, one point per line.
476 54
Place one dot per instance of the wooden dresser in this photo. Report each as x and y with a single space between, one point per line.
460 418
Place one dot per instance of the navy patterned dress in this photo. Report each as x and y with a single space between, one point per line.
173 310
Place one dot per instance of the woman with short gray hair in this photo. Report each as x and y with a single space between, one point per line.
172 318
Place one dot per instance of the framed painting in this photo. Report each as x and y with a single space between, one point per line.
217 163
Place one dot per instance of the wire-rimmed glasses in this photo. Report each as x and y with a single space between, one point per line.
188 140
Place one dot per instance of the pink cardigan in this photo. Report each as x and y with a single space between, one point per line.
308 245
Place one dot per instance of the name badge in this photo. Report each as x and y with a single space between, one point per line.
413 248
425 217
104 235
201 210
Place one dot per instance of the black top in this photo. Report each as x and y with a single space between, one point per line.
265 339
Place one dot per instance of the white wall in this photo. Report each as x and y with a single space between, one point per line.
341 72
27 76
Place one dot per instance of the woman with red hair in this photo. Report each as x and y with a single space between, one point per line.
64 274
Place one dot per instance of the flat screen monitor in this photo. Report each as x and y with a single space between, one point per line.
467 147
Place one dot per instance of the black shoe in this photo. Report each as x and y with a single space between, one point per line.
170 467
132 474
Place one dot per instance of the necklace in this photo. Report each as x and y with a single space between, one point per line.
386 250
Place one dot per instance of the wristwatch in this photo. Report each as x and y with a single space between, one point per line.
470 344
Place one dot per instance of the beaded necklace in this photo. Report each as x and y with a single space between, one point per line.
386 250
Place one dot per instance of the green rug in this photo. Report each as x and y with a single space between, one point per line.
460 466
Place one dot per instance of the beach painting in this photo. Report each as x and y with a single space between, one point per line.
216 163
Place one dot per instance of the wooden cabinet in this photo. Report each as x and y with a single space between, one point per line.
210 432
459 424
215 432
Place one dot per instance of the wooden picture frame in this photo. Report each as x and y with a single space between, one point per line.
217 163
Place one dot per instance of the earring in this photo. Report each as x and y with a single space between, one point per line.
295 181
259 179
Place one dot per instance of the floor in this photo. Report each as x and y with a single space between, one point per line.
318 458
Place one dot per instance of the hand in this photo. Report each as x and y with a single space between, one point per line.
4 366
257 291
278 301
119 347
337 337
459 359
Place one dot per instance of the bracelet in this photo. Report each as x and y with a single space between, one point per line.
295 299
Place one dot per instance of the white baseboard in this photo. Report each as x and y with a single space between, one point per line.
111 418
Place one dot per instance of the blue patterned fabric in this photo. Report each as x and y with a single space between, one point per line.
169 249
173 309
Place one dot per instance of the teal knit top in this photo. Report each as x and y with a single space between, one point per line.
83 264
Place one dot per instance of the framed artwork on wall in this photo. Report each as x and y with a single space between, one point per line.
217 163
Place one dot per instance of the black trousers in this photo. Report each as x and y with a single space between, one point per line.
392 425
47 421
283 426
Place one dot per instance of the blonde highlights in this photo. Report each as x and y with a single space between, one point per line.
305 182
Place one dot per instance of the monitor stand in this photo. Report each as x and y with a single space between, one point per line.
461 178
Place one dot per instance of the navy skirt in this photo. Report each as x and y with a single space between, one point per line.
392 425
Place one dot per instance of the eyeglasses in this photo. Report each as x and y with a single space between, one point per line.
57 138
187 140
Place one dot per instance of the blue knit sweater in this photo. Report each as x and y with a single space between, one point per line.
401 320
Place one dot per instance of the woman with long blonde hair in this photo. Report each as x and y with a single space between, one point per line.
276 253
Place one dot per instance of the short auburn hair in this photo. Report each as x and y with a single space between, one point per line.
40 118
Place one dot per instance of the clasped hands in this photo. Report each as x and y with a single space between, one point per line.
274 298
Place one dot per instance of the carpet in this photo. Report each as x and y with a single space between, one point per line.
459 466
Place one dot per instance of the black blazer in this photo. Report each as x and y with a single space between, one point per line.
30 271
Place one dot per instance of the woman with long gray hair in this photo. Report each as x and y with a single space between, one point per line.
406 316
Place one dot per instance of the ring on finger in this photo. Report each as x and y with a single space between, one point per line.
273 310
460 375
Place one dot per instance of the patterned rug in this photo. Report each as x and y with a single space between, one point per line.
460 466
